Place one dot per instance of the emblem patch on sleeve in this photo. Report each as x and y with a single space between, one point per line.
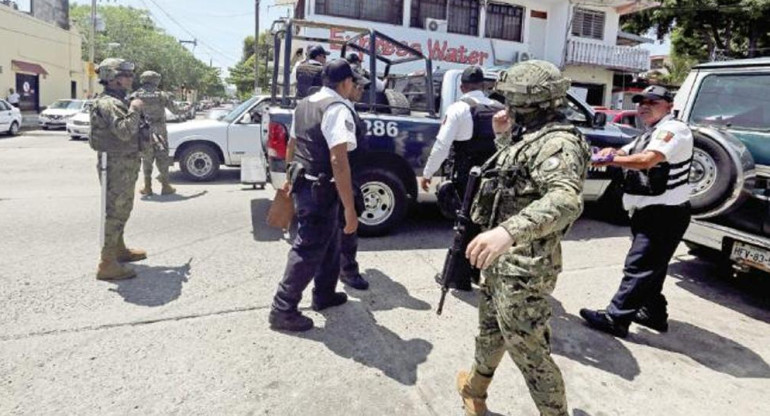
551 164
664 135
350 126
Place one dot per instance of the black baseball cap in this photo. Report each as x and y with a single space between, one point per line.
353 58
653 92
472 75
339 70
317 50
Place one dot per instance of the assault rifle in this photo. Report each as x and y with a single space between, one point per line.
465 230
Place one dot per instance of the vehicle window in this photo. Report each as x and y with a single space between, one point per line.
256 112
414 88
75 105
237 111
737 101
4 106
61 104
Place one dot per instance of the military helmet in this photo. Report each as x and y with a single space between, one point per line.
111 68
533 84
150 77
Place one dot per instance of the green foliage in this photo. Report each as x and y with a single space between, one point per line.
148 46
704 30
242 74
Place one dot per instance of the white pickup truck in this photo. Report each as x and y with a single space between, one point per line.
202 146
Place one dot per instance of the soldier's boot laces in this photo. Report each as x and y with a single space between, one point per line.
110 269
147 190
167 189
125 254
473 390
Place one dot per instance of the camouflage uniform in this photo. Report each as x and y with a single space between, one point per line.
155 104
542 166
115 131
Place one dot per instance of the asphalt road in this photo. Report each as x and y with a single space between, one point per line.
189 336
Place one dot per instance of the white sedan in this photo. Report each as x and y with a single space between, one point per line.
79 125
58 113
10 118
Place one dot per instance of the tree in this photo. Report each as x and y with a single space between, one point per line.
242 74
149 47
706 30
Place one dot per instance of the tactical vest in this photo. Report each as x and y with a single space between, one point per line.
312 149
102 137
480 147
658 179
308 76
154 104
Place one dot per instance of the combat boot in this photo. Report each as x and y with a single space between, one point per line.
125 254
473 390
110 269
167 189
147 190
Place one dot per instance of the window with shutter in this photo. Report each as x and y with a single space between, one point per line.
588 24
385 11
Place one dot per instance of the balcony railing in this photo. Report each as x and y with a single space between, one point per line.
623 58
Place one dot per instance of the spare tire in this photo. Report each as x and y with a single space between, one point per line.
714 175
399 104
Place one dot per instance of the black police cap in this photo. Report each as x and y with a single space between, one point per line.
353 58
316 51
472 75
339 70
653 92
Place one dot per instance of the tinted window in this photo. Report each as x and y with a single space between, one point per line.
4 106
738 101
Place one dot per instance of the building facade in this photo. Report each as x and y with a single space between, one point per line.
41 60
581 37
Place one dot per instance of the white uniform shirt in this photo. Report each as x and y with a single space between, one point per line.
13 98
338 125
293 77
457 126
673 139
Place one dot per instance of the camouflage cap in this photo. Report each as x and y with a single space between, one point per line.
111 68
533 84
150 77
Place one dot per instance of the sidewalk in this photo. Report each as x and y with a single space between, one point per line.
30 120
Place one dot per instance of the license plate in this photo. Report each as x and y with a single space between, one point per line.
751 255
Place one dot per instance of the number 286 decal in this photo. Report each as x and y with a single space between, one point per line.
381 128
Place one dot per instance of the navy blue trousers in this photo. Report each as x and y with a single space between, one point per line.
657 231
314 255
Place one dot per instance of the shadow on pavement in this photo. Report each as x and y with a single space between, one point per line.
153 285
580 412
352 332
385 294
224 177
707 348
572 339
172 198
748 294
259 228
423 228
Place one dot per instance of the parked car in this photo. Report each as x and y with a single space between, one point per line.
201 146
727 105
58 113
171 117
79 125
10 118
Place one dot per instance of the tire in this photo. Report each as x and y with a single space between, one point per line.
713 175
385 202
14 129
399 104
199 162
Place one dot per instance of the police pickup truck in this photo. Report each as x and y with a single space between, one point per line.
727 105
402 125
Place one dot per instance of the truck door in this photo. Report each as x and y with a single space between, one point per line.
244 135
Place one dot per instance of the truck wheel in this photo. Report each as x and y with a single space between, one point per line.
385 202
712 175
199 162
399 104
14 129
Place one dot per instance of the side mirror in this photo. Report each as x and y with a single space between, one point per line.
600 119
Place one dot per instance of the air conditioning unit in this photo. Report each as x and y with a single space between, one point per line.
435 25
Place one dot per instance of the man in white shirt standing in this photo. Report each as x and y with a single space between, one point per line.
467 132
13 98
656 190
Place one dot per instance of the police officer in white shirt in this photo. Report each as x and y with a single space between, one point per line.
309 73
13 98
323 131
469 118
656 190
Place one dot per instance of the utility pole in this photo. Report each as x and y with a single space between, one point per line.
92 48
256 46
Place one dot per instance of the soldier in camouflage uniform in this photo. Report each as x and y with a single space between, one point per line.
529 197
155 104
115 126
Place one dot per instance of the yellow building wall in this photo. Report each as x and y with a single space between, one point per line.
58 51
592 75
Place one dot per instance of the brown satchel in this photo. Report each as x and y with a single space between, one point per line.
281 211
